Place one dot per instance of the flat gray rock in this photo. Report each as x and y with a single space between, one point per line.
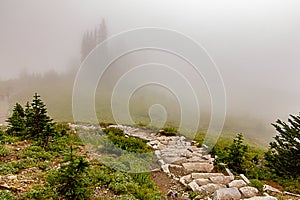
237 183
222 179
198 167
262 198
248 191
227 193
194 186
211 188
202 181
185 180
204 175
245 178
271 189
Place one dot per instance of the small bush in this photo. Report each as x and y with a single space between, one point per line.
8 168
71 181
8 139
131 144
126 197
36 152
7 195
4 151
141 124
192 195
168 131
105 124
101 175
39 193
237 156
257 184
113 131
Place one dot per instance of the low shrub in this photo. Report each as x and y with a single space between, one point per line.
71 181
40 193
4 151
11 167
257 184
7 195
169 131
131 144
36 152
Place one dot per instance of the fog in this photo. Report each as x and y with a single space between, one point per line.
255 44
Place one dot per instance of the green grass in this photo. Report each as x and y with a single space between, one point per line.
123 184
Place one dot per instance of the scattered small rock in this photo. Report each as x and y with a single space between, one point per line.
245 178
271 189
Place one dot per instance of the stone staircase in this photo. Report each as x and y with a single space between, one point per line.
193 168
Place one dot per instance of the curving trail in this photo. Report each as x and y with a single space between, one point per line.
184 167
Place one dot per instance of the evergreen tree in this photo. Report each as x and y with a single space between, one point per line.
92 38
37 117
237 156
39 125
48 132
16 123
237 153
283 155
71 180
28 118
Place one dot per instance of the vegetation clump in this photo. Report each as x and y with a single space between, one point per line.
237 156
33 122
131 144
283 156
281 163
71 180
168 131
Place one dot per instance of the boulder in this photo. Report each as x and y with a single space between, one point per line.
202 181
161 162
249 191
220 179
178 160
198 167
161 146
173 159
237 183
155 142
197 159
211 188
172 143
164 142
194 186
227 193
157 153
176 170
165 168
262 198
184 180
204 175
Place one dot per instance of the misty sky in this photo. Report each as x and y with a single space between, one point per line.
255 43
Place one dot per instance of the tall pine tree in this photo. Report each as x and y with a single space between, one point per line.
39 125
16 123
92 38
283 155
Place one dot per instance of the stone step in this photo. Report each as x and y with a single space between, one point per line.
198 167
